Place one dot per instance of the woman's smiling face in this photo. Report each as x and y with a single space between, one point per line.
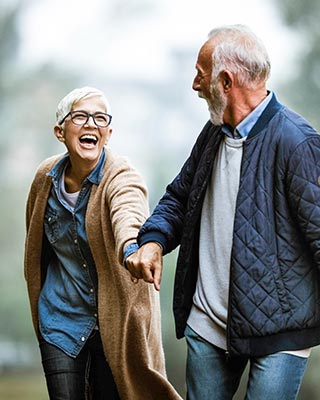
85 142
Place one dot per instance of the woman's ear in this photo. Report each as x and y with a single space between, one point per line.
58 131
109 133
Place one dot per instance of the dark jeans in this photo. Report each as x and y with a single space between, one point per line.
88 376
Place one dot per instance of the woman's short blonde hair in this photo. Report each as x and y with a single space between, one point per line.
65 105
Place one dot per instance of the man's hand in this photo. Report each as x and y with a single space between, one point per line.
146 264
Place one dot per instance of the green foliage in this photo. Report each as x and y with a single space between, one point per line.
23 386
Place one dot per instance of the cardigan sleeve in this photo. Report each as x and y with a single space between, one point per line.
128 205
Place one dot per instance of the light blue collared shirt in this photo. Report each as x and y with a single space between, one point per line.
244 127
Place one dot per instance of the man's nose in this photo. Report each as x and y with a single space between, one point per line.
196 84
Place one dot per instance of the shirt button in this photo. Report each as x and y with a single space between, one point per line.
49 219
83 339
95 315
75 240
84 265
91 290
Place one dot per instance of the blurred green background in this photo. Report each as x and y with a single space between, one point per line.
142 54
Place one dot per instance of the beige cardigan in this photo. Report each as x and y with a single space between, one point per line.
129 313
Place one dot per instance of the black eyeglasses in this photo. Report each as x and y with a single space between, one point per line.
80 117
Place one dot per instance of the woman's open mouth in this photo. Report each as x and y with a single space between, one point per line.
88 140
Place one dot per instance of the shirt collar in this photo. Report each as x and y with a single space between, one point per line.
94 177
244 127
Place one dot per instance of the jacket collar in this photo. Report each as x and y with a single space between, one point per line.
272 108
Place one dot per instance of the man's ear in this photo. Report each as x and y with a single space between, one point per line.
227 80
58 131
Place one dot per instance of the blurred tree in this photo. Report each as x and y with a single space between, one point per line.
27 104
303 90
8 46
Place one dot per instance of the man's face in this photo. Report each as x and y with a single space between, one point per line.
202 80
210 91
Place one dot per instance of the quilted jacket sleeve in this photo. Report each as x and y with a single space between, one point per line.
166 222
303 183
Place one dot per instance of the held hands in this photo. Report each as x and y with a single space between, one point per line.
146 264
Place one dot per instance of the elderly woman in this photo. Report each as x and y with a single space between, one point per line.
99 333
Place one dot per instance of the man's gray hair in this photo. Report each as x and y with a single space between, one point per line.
238 50
65 105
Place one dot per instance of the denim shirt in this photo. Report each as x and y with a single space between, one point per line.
68 299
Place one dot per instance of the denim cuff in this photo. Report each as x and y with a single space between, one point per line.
131 248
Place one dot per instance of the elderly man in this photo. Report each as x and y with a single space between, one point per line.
245 211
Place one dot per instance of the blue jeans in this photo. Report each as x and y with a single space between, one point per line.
211 375
88 376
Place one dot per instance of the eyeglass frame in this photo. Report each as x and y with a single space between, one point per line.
88 116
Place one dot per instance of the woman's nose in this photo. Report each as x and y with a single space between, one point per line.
91 122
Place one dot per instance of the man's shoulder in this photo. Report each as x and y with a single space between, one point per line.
292 135
288 129
291 121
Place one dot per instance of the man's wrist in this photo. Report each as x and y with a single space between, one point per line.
154 237
159 244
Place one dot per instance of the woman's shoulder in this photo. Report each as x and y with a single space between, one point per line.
46 165
116 162
120 167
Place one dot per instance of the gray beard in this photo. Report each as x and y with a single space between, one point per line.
216 113
216 108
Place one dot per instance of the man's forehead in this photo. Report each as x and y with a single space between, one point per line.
205 55
208 46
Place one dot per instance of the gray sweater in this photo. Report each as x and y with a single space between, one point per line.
208 315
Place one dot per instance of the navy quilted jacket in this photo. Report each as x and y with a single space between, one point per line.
274 297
